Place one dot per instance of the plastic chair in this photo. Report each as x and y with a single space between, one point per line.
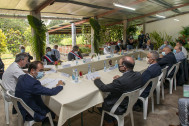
160 84
132 96
15 101
145 100
7 102
173 79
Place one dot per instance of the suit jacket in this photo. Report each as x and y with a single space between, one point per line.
30 90
168 60
153 70
72 56
130 81
53 58
118 48
151 46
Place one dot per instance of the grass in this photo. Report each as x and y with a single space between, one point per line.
7 59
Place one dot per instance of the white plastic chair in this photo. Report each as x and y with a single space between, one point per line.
160 84
6 102
132 96
15 101
145 100
173 79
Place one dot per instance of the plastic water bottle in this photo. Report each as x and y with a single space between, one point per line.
76 76
45 62
116 64
84 60
98 57
121 52
138 56
136 48
89 69
76 60
158 50
104 66
73 74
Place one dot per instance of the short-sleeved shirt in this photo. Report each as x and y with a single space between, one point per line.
179 56
10 76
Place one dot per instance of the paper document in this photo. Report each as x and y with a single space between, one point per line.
50 83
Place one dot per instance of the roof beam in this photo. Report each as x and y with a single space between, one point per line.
156 12
45 4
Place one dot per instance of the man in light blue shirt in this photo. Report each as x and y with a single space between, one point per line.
179 55
166 44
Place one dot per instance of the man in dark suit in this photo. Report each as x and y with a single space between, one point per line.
168 59
128 82
152 71
29 89
74 54
119 46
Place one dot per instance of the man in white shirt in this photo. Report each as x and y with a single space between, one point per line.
107 49
10 76
56 52
183 49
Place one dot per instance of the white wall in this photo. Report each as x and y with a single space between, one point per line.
170 26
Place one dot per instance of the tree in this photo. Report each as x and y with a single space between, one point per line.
55 22
14 40
2 42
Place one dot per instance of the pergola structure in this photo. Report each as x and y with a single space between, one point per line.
79 12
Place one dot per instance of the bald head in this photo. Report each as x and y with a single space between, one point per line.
166 50
127 62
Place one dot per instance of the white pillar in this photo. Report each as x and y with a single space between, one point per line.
92 40
47 38
124 32
73 34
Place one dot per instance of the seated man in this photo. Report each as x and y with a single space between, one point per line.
1 68
107 49
12 73
152 71
29 56
49 57
74 53
128 82
130 43
118 47
56 52
148 45
166 44
168 59
29 89
183 49
179 55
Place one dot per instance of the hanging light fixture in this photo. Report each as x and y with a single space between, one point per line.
123 6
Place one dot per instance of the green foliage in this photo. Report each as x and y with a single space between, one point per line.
15 24
2 42
14 40
131 30
56 38
159 38
55 22
184 37
39 38
68 41
96 26
185 31
86 33
84 49
28 37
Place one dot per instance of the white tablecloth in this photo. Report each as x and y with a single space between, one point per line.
78 97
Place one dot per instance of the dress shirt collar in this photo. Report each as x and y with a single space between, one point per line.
30 75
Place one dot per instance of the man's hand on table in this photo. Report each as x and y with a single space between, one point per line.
96 78
60 83
115 77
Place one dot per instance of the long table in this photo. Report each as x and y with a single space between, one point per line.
78 97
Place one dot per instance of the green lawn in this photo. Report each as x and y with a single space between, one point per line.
7 59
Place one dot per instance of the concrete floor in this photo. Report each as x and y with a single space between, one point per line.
164 114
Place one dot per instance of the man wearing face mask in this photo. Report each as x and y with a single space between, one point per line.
128 82
152 71
166 44
29 56
107 49
179 55
118 47
49 57
168 59
74 54
29 89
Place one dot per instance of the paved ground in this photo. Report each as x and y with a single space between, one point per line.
164 114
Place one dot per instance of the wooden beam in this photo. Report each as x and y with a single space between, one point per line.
156 12
45 4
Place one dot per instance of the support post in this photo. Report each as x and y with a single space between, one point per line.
144 28
73 34
92 40
47 38
125 25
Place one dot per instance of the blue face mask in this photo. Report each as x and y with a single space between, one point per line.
109 46
39 75
49 53
119 44
174 51
22 50
163 53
